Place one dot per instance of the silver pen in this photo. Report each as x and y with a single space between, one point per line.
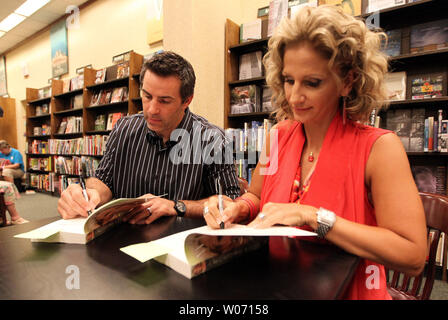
220 203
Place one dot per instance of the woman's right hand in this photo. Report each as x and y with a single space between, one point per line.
212 215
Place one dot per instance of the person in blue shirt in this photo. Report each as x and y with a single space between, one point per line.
11 162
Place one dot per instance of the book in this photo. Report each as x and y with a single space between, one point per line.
115 117
399 120
77 102
83 230
250 65
62 126
427 86
100 122
196 251
278 9
66 85
245 99
123 70
251 31
100 76
352 7
430 178
266 105
416 139
393 45
429 36
376 5
95 98
105 96
395 83
117 95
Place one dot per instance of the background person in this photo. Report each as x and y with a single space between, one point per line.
15 168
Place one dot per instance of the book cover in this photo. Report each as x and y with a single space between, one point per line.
196 251
109 121
66 85
95 98
105 96
278 9
430 178
117 95
399 120
100 122
352 7
78 101
395 83
115 117
266 99
62 126
392 47
429 36
123 70
427 86
417 136
244 99
83 230
250 65
250 31
100 76
376 5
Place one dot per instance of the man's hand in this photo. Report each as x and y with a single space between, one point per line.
72 203
151 210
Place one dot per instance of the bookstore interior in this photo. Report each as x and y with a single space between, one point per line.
67 75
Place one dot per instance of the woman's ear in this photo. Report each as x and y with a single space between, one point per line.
348 83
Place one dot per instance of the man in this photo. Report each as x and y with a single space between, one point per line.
11 161
152 154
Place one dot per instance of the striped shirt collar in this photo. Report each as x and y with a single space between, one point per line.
186 123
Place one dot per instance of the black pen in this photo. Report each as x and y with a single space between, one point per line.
83 184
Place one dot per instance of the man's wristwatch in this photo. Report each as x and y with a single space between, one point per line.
180 208
325 221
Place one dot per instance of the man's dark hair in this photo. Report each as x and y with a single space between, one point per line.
168 63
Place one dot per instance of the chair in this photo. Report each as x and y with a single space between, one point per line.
436 212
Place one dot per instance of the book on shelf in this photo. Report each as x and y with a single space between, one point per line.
196 251
251 30
245 99
96 97
62 126
77 102
66 85
430 178
105 96
352 7
399 121
392 47
123 70
416 139
117 95
266 104
100 76
278 9
395 85
100 122
429 36
427 86
250 65
376 5
112 119
83 230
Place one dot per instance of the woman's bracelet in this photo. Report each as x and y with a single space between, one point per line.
252 208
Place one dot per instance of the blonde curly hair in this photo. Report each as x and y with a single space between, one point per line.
348 45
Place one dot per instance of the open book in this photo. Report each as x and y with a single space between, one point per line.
83 230
198 250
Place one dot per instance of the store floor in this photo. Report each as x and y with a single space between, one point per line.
39 206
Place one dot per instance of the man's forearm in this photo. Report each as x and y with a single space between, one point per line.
103 190
194 208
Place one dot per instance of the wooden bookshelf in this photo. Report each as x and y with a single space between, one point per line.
60 107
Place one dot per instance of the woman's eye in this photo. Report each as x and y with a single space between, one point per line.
313 83
288 81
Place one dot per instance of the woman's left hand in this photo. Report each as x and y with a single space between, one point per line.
290 214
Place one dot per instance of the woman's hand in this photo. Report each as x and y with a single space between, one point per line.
289 214
229 215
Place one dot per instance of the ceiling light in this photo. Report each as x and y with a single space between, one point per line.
31 6
11 21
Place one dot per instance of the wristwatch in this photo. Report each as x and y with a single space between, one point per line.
325 221
180 208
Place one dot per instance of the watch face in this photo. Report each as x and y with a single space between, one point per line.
180 206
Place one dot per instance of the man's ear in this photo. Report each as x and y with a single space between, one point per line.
348 83
187 102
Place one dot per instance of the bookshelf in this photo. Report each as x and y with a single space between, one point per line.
54 153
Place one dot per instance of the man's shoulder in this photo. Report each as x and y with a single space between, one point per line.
131 121
205 124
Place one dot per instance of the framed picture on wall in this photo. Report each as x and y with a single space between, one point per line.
3 87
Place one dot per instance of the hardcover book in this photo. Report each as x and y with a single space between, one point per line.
250 65
395 85
198 250
123 70
83 230
278 9
430 178
427 86
100 76
393 45
376 5
100 122
117 95
429 36
399 121
245 99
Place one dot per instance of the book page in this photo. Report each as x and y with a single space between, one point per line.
46 231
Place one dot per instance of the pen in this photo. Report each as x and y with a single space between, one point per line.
83 184
220 204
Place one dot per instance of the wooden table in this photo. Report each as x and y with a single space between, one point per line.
300 269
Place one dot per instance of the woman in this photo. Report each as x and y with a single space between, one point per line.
11 193
350 183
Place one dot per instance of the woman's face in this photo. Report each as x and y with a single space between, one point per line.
310 86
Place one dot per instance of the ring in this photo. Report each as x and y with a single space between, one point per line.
261 216
149 210
205 210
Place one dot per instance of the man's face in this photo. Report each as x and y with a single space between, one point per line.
5 151
163 108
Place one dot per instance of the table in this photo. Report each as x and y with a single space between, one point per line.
301 270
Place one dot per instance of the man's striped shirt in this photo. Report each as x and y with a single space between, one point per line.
136 161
